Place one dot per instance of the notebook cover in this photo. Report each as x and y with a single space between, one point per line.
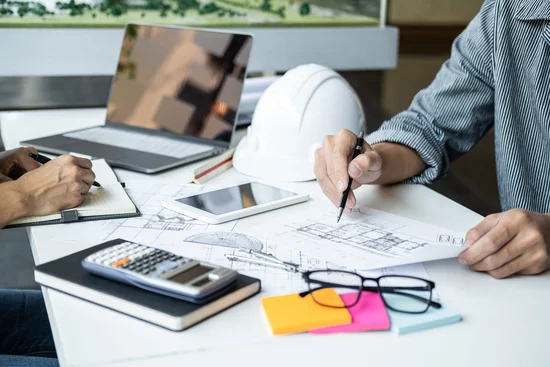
291 313
88 218
80 219
69 268
402 323
369 314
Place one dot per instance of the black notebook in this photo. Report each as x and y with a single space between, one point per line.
67 275
110 201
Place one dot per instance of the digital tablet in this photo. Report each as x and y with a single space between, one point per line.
223 205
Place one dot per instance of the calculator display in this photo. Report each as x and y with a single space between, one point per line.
190 274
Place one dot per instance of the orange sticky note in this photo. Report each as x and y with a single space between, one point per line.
291 313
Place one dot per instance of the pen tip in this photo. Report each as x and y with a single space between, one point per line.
339 215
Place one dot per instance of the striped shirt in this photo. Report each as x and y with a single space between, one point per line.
498 76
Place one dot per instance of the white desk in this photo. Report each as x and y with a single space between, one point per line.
505 322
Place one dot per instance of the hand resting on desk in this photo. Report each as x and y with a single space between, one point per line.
28 189
504 244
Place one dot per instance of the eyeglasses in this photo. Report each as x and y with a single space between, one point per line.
400 293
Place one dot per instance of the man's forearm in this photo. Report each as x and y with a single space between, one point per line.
398 163
12 203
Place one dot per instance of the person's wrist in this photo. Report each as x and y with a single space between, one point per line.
21 199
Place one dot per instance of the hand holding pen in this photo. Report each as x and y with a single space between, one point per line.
62 183
43 160
343 201
333 167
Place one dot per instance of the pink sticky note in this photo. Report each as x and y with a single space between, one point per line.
368 314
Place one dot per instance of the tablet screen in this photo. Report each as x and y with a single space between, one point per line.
235 198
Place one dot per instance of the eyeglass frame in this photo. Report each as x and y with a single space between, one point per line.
324 285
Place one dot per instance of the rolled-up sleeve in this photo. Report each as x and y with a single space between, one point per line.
449 117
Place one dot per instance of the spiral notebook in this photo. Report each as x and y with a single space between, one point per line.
110 201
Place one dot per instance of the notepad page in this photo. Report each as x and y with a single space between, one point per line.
110 198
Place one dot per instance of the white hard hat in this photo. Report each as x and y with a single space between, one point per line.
291 120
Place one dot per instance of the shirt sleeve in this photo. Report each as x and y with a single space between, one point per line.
449 117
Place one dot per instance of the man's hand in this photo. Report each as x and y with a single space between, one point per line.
513 242
59 184
333 169
16 162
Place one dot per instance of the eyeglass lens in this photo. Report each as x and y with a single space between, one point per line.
406 294
342 283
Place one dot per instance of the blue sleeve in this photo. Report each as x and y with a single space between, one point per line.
449 117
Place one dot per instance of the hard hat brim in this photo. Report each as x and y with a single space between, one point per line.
270 167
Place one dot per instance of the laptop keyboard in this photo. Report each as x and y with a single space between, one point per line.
141 142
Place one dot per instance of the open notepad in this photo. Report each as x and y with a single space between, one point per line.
108 201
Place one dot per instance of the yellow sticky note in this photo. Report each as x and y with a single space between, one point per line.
291 313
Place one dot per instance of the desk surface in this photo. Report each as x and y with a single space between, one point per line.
505 322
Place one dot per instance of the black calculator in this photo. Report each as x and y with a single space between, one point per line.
159 271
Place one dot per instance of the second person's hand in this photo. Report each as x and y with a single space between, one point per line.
16 162
333 169
59 184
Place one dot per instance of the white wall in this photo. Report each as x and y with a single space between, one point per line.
70 51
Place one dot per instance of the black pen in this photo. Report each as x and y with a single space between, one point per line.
43 160
356 151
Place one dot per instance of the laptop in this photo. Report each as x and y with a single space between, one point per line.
174 100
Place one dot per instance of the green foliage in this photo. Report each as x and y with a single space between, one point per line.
266 5
5 12
165 8
213 8
153 4
23 10
73 7
209 9
305 9
184 5
114 8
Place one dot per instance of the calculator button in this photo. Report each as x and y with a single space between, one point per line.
167 265
119 263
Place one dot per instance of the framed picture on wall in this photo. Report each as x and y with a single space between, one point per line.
196 13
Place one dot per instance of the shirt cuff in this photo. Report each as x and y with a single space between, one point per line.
428 151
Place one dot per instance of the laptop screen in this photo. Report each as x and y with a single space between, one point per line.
183 81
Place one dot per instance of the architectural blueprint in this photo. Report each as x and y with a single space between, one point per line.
155 226
366 239
177 233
